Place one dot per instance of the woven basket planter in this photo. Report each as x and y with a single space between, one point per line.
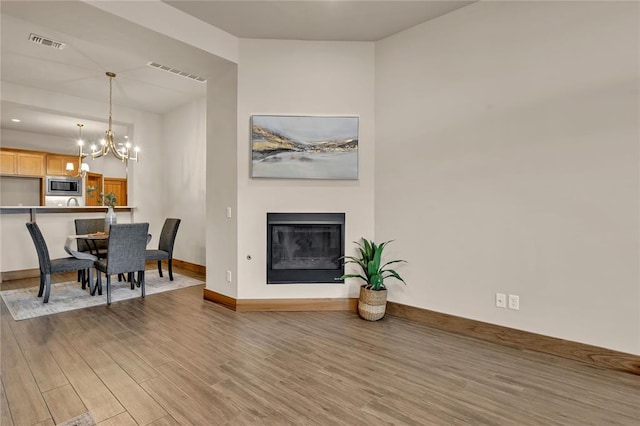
372 304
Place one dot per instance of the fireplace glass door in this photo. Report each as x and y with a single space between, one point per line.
305 247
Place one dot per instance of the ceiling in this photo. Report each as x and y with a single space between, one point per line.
316 20
97 41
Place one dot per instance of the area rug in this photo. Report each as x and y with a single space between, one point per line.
24 303
82 420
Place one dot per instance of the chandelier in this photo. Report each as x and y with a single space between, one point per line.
122 151
83 168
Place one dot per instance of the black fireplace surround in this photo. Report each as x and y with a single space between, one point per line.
305 248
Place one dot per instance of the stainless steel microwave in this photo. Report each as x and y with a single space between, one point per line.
61 185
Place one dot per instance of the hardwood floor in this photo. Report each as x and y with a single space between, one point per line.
174 358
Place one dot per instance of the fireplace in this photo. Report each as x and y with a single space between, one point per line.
305 248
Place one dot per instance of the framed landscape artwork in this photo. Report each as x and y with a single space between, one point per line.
304 147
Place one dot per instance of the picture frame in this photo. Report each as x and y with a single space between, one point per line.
304 147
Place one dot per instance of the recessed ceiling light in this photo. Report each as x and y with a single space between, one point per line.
16 120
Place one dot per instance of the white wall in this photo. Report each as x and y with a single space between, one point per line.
302 78
145 192
222 181
507 161
183 181
20 191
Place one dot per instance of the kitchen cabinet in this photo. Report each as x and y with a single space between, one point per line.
21 163
30 164
57 165
8 163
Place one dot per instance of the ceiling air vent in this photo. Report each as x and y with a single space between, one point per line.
176 72
46 41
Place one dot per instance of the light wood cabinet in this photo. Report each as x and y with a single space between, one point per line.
57 165
22 163
8 163
30 164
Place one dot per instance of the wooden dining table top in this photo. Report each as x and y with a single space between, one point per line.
93 236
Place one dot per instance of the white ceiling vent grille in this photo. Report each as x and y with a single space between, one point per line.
46 41
176 72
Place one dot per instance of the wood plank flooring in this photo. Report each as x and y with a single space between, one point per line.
176 359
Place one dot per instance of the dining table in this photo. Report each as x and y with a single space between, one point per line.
91 238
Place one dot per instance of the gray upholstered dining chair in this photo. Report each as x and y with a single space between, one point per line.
97 247
50 266
165 246
91 226
125 255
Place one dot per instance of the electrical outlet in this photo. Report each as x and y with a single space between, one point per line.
229 276
501 300
514 302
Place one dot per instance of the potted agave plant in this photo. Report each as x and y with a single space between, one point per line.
372 302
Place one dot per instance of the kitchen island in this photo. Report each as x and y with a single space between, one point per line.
18 257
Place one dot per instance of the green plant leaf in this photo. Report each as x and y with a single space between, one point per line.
354 260
393 261
394 274
376 281
354 276
372 268
377 255
370 261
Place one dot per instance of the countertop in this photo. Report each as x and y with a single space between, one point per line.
60 209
